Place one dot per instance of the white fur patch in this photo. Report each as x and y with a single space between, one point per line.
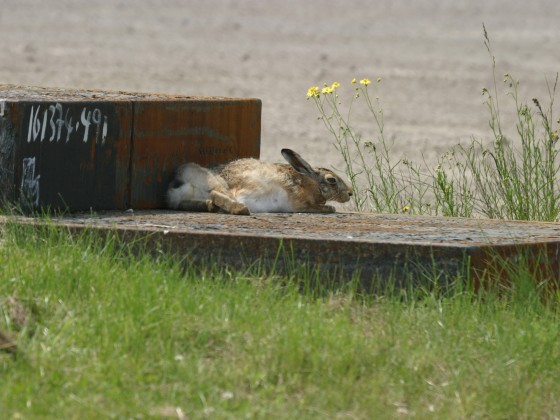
187 191
273 199
198 182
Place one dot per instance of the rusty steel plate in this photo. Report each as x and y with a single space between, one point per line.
80 149
376 247
206 131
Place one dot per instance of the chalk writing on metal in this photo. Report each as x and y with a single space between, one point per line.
30 183
53 123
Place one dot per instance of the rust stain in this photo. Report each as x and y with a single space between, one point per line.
376 246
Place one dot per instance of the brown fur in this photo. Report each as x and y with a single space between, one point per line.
250 184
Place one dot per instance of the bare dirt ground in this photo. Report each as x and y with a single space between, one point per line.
430 55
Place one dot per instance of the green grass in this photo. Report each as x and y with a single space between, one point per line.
103 333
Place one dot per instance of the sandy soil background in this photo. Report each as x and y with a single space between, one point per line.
430 55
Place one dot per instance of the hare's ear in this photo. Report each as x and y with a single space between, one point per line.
298 163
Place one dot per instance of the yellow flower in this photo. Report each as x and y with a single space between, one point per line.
313 91
353 81
335 85
327 90
406 208
365 82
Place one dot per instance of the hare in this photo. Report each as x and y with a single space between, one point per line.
250 185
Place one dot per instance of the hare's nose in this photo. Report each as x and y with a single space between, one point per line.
350 193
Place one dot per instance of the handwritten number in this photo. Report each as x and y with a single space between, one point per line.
86 121
59 122
34 125
68 125
104 135
52 108
45 115
56 119
96 118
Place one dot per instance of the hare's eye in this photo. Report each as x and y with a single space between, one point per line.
331 179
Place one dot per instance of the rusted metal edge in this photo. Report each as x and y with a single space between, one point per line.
50 93
377 265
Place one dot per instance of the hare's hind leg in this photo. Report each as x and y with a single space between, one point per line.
228 204
197 205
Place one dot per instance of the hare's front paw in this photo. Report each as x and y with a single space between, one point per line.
328 209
